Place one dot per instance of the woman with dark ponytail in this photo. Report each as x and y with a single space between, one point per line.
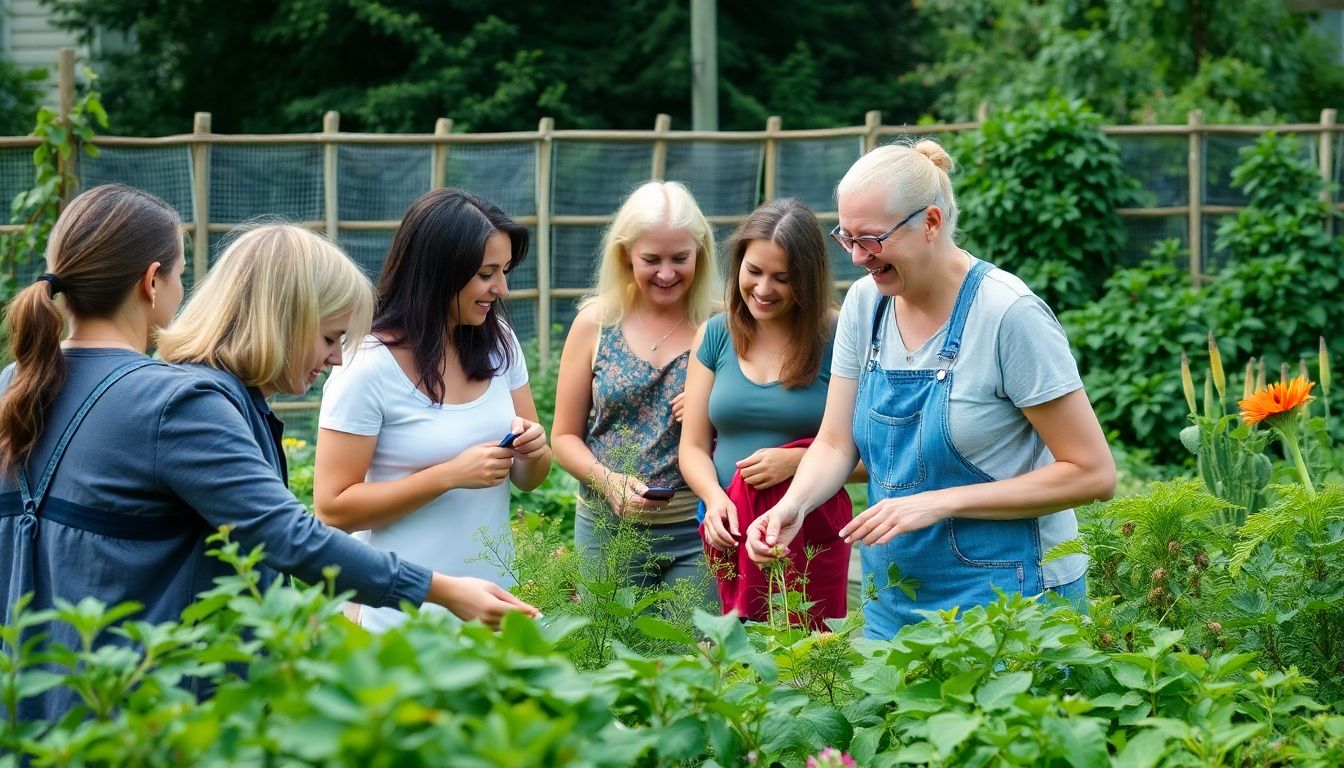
117 467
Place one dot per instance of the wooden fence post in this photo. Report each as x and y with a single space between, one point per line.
771 182
65 70
545 147
872 120
661 124
1194 163
438 173
200 214
331 126
1326 154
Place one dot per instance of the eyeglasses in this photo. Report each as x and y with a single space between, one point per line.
870 244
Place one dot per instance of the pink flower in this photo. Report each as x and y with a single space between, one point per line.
831 757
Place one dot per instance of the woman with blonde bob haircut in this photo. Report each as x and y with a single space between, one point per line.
255 308
130 485
625 364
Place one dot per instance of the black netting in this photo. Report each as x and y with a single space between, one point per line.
593 177
724 176
162 171
379 183
809 169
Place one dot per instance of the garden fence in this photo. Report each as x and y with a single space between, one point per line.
564 184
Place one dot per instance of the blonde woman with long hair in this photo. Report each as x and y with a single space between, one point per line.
624 363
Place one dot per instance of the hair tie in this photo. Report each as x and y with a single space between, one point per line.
47 277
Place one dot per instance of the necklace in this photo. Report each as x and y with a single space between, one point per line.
654 346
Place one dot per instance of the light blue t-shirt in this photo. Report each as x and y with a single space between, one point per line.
1014 355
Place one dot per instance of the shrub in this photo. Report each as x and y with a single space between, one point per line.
1040 187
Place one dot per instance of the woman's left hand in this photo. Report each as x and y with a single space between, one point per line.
531 441
770 466
678 406
889 518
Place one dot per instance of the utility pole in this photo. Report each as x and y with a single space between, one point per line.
704 65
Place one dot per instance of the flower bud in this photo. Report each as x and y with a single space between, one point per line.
1159 575
1155 595
1174 547
1188 384
1215 628
1107 639
1260 374
1248 384
1216 365
1128 528
1324 361
1201 559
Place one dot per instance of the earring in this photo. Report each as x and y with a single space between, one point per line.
153 301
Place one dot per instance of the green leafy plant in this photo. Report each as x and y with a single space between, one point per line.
1040 187
54 160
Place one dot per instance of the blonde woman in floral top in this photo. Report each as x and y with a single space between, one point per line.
618 397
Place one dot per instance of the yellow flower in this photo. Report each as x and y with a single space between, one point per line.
1276 400
293 443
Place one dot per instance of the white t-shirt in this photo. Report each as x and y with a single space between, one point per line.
1014 355
371 395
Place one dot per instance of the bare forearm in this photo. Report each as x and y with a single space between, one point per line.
697 469
574 456
823 471
371 505
1057 486
527 474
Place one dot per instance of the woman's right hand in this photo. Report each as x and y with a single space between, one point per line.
625 495
480 466
471 599
769 536
721 529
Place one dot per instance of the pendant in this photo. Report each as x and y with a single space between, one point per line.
653 348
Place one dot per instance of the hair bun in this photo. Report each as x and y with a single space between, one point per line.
936 154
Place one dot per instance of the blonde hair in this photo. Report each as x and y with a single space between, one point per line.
260 307
655 204
911 175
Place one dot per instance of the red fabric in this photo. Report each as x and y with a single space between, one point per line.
743 587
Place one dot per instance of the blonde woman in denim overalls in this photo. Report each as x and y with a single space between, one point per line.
954 384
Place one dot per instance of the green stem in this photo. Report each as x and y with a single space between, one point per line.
1290 440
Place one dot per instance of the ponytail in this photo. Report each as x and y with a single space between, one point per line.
35 325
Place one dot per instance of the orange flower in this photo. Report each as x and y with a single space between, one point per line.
1276 400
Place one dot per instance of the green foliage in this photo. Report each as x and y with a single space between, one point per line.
20 96
1040 187
1280 259
396 65
36 209
1132 60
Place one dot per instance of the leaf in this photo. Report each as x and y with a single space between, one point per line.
1144 750
684 739
949 729
823 726
1000 691
660 629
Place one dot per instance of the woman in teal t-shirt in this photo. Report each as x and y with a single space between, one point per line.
758 380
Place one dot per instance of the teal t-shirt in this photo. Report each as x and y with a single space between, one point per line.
747 416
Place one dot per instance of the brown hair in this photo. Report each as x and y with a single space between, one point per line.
101 245
793 227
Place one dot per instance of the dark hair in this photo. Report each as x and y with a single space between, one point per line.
436 252
793 227
101 246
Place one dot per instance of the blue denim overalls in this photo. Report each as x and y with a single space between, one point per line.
901 430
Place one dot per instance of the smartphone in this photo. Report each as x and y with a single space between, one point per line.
508 440
659 493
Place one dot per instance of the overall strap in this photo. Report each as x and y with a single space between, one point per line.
875 341
961 310
32 502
